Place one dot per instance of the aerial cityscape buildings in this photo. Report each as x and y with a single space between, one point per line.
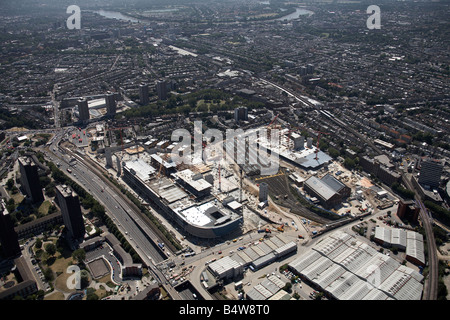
315 152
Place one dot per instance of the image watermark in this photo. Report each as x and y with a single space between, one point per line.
374 276
74 21
254 147
374 21
74 280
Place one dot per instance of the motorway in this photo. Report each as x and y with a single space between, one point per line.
128 222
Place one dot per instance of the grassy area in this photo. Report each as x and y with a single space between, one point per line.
55 296
43 209
18 197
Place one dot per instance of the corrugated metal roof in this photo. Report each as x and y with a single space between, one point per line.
258 251
244 257
262 261
254 294
264 292
278 282
264 247
252 254
270 286
271 244
306 259
357 272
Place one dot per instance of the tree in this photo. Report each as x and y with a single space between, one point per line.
287 287
48 274
38 243
79 255
333 152
84 278
10 183
50 248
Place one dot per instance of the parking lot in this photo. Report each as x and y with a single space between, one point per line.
105 252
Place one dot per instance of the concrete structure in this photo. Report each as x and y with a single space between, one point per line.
328 190
208 218
299 141
26 283
161 89
240 113
83 109
29 179
143 94
378 169
408 210
129 269
69 203
108 157
309 142
111 107
151 292
430 173
8 236
263 191
38 226
255 257
226 268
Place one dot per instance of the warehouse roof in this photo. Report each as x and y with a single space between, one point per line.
350 269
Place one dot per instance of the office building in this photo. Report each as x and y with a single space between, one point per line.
240 113
302 71
71 211
143 94
309 142
408 210
83 109
430 173
110 104
8 236
263 191
29 179
161 89
299 141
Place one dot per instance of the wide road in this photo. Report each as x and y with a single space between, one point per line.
117 209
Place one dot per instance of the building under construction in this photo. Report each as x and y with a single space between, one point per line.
183 196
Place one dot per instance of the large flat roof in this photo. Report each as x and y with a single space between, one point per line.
348 268
140 168
320 188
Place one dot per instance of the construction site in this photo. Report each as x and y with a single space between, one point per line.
219 197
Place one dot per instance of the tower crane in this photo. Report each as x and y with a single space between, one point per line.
318 140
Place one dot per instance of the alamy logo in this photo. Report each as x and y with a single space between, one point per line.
374 21
74 21
74 280
374 276
254 147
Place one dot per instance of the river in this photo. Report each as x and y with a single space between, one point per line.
117 15
298 12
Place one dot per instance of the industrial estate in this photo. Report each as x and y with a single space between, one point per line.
94 206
